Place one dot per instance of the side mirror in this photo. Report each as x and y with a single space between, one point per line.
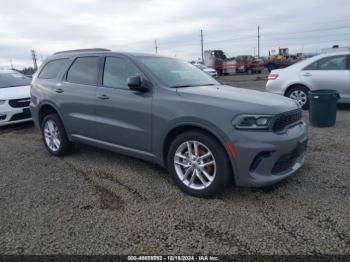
135 83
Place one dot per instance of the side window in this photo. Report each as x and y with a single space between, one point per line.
116 72
84 70
312 66
52 68
329 63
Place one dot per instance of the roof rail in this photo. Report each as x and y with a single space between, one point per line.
82 50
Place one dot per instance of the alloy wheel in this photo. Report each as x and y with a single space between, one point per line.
299 96
195 165
52 135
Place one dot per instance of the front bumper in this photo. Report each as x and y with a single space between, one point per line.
10 115
264 158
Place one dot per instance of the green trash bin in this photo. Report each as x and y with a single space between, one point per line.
323 107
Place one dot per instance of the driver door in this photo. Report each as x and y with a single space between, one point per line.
123 117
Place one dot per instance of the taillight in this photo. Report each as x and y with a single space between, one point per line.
272 76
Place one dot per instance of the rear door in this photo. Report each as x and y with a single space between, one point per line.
329 73
77 96
123 117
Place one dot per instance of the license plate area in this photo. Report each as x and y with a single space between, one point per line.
288 161
26 111
301 148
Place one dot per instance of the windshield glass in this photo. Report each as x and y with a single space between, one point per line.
13 79
177 73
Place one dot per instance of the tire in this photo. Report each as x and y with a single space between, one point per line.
219 172
303 91
52 124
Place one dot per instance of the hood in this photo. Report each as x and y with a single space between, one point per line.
14 92
239 99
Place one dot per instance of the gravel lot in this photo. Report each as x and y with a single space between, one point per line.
98 202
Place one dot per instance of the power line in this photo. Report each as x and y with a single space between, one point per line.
156 46
258 41
202 45
312 31
34 59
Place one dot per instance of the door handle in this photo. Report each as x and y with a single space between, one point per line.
307 74
59 90
103 97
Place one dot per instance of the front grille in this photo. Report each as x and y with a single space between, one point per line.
20 116
286 119
19 103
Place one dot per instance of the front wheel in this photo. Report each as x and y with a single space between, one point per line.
54 135
300 95
198 164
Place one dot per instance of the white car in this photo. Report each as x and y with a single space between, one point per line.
328 71
14 98
210 71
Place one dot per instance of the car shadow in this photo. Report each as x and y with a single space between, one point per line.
344 106
16 127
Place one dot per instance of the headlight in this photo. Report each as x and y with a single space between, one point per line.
2 102
261 122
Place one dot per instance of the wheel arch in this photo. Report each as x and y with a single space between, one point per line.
294 85
179 129
46 109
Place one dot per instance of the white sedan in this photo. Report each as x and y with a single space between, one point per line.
328 71
210 71
14 98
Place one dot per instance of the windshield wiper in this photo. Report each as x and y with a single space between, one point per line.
179 86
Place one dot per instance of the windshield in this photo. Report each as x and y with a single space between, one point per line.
177 73
13 79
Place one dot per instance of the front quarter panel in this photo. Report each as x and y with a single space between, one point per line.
171 111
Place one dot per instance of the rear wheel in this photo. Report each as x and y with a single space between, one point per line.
198 164
300 95
54 135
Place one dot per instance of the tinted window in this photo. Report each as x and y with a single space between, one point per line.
329 63
12 79
52 68
84 70
117 70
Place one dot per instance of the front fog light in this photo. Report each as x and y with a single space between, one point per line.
2 102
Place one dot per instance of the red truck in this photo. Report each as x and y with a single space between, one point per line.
249 64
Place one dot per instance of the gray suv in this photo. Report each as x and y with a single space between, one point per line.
167 111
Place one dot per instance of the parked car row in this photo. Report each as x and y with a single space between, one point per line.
172 113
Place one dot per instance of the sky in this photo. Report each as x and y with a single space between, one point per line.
134 25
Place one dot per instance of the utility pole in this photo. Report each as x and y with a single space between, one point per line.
156 46
202 46
34 60
258 41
